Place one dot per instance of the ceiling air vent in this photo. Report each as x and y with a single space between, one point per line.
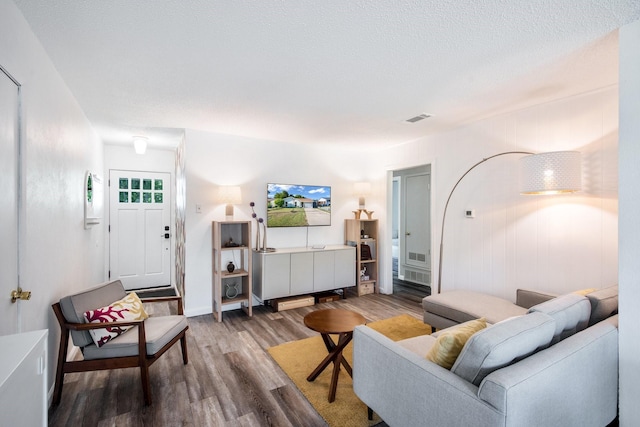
418 118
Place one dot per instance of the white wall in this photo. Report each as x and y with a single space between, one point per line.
59 255
629 230
213 160
119 157
553 243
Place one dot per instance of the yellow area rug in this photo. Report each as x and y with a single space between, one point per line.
298 358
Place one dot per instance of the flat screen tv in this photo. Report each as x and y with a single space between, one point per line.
298 205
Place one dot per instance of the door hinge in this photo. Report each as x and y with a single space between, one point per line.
109 274
109 228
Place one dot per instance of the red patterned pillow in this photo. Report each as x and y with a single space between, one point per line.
128 308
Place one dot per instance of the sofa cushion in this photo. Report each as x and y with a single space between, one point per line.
74 306
502 344
158 332
419 345
571 313
604 303
462 306
126 309
449 344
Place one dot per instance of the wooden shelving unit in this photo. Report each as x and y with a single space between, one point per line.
231 287
355 231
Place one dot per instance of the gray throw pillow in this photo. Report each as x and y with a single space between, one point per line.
503 344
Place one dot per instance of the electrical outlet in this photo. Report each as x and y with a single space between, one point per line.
198 208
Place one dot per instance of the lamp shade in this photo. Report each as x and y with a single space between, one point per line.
555 172
361 188
231 195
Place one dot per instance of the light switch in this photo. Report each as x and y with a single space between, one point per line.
470 213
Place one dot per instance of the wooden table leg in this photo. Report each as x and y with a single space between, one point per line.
335 356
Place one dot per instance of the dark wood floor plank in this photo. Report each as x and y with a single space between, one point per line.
230 380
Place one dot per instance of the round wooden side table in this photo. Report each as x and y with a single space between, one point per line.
333 321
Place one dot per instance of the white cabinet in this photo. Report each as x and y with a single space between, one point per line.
23 379
301 281
297 271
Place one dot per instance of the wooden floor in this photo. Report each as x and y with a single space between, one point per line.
230 379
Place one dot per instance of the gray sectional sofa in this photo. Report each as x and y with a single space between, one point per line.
552 364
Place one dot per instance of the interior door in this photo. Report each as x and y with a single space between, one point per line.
417 220
139 228
9 182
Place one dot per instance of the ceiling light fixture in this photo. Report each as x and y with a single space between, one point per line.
140 144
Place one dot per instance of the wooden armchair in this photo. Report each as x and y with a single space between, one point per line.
139 347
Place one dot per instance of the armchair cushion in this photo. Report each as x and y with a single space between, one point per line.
158 331
503 344
127 308
74 306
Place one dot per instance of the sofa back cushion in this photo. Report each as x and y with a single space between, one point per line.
503 344
604 303
571 313
74 306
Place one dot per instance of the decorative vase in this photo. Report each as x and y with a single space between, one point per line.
232 290
231 267
258 237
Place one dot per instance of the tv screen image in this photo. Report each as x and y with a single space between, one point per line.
298 205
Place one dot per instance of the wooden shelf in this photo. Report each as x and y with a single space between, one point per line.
221 233
355 230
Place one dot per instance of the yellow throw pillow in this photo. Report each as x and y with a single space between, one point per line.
449 344
584 292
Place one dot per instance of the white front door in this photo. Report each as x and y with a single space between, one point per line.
139 228
9 182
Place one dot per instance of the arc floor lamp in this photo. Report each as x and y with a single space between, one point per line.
554 172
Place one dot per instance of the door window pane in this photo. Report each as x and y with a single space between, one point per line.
124 197
135 197
157 184
146 184
146 197
157 197
135 183
124 183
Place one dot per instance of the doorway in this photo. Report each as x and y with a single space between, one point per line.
10 206
411 231
139 228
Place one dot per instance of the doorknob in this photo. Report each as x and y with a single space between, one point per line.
407 234
17 294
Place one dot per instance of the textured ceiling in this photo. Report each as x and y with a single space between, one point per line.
331 71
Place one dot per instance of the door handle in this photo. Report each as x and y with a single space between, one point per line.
407 234
17 294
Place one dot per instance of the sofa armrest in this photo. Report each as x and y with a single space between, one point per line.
584 365
386 374
527 298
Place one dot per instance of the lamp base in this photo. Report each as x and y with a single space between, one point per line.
228 211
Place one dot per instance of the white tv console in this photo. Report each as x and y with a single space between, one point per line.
297 271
